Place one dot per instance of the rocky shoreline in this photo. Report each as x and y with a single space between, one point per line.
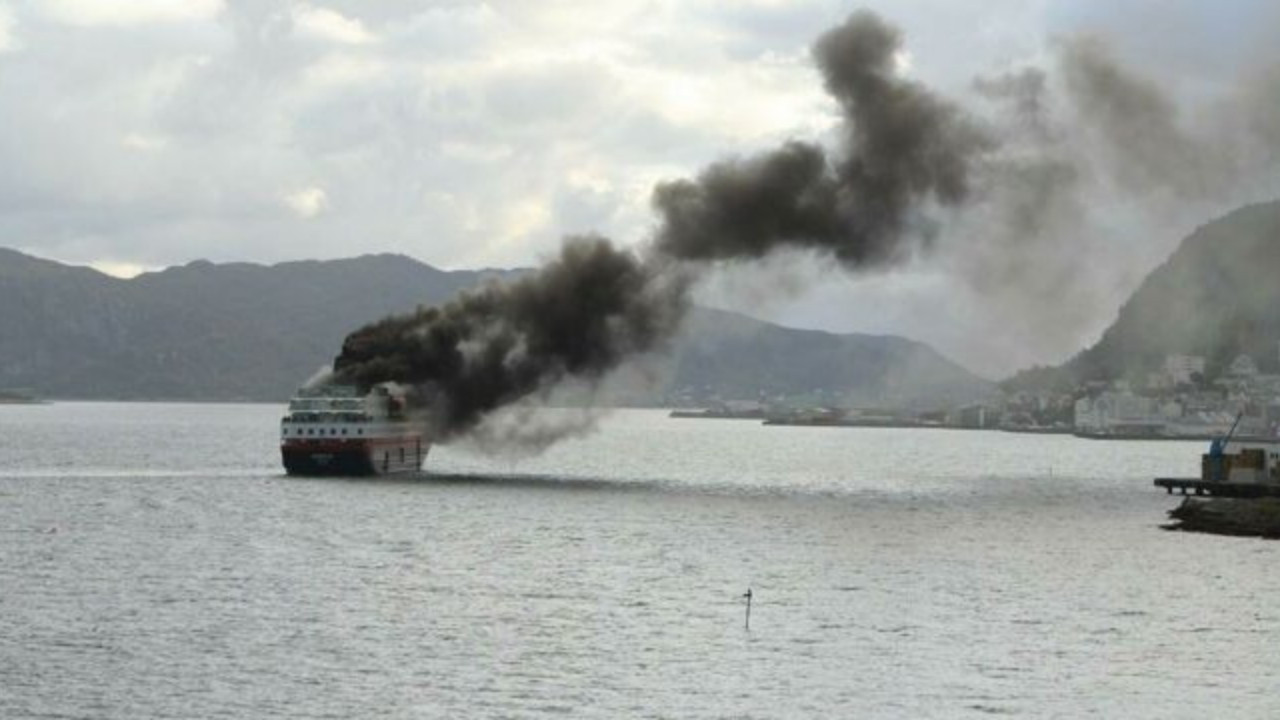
1241 517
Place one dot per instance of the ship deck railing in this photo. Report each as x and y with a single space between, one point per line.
319 417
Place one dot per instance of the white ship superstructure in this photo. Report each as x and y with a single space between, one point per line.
335 430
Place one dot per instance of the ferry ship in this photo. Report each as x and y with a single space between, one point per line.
334 430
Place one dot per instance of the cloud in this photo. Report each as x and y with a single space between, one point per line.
154 132
131 12
492 104
307 202
8 41
339 69
121 270
143 143
330 25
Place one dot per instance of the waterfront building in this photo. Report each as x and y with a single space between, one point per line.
1181 368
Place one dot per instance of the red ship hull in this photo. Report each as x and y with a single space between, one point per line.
354 457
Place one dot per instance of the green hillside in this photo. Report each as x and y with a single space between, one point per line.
1218 296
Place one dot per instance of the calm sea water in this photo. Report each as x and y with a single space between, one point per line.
154 562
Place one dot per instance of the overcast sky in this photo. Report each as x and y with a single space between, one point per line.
145 133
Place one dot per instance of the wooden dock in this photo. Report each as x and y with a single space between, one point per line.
1213 488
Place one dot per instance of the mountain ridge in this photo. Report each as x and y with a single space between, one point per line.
246 331
1213 297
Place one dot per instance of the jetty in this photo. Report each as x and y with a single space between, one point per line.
1237 493
1218 488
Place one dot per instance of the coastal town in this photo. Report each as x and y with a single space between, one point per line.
1179 401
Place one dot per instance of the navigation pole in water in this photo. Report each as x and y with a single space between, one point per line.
747 595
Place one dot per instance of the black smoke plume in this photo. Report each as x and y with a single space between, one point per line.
594 306
578 316
902 147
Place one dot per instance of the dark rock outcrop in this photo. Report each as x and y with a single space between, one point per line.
1250 517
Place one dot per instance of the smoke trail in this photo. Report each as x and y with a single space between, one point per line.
1138 124
1022 244
595 306
1259 105
903 147
578 316
747 208
1099 170
1026 91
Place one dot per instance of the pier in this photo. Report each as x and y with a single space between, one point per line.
1214 488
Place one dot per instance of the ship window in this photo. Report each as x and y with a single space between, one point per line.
344 431
359 431
401 454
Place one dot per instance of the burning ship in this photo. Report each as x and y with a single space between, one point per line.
335 430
